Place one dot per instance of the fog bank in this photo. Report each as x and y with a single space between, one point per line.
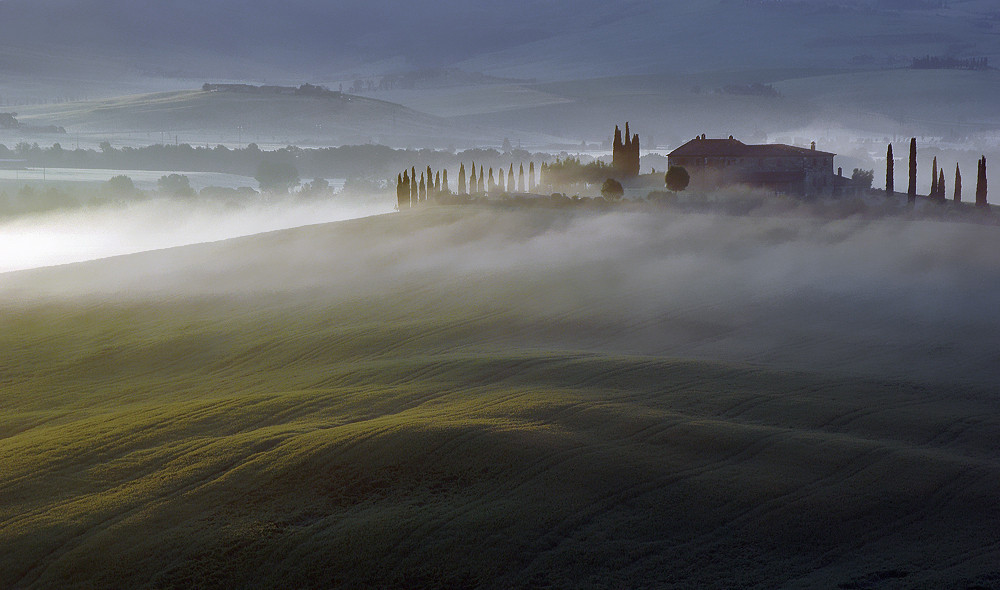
115 229
886 298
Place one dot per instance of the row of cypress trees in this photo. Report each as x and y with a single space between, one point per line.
410 192
493 185
937 179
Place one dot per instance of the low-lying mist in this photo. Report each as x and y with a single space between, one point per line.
886 297
116 228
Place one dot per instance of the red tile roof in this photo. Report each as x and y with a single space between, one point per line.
734 148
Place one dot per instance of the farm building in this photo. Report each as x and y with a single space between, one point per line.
714 163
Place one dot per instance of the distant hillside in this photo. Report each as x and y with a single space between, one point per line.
283 117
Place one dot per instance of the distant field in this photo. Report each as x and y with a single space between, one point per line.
194 116
484 397
143 179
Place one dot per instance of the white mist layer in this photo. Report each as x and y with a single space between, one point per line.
68 236
884 297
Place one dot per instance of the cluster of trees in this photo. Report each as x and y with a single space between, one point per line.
625 154
929 62
277 175
411 192
863 178
570 171
938 188
366 161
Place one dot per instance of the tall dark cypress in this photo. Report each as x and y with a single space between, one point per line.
422 189
911 189
437 182
934 180
461 179
444 181
501 185
520 180
531 176
414 196
634 156
430 180
890 181
940 186
616 149
399 191
510 178
958 185
492 182
407 195
981 191
625 164
482 185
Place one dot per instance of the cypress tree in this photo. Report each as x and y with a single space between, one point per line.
940 186
634 156
531 176
520 180
934 180
437 182
500 184
890 181
399 191
482 185
616 150
422 194
984 180
492 183
444 181
958 185
461 179
414 196
430 179
625 162
510 178
981 192
911 189
406 189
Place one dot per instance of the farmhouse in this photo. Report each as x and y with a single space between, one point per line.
713 163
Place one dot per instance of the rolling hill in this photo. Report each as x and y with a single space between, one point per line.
492 397
201 116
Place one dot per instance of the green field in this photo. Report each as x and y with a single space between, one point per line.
490 397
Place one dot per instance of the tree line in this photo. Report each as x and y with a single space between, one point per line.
938 190
352 161
411 192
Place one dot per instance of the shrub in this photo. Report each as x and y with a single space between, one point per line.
612 190
677 179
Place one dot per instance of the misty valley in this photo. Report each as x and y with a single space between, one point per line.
458 295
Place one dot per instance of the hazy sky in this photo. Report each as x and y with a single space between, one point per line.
550 39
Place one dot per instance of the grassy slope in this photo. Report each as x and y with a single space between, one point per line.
351 432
